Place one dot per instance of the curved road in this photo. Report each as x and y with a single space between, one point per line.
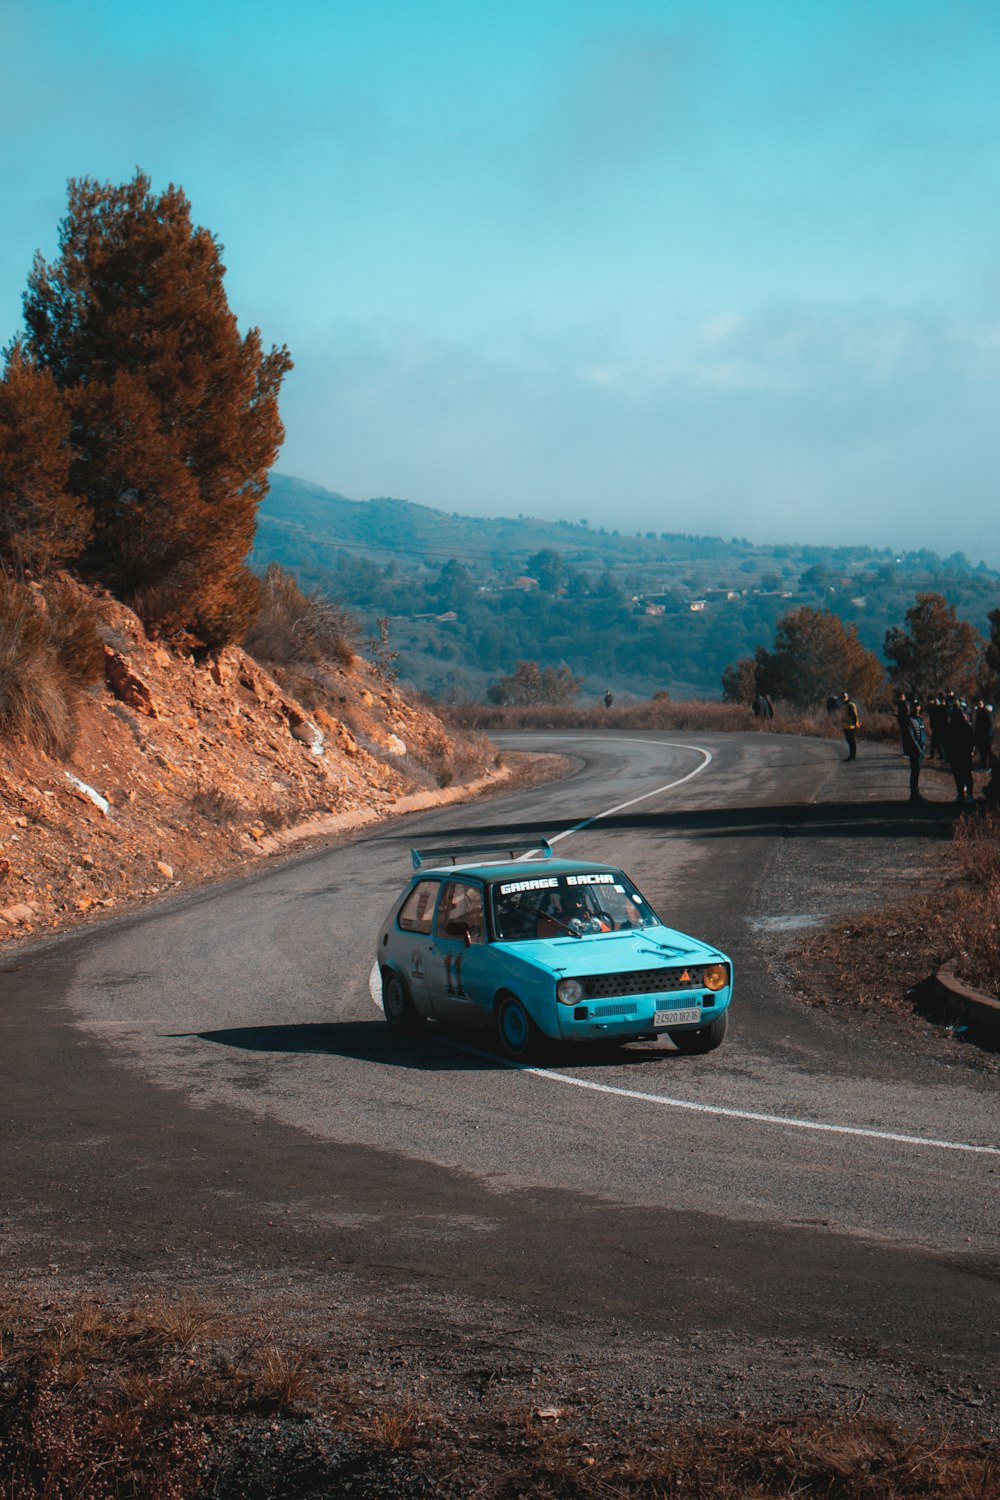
802 1183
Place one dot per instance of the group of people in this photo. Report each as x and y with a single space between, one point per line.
958 732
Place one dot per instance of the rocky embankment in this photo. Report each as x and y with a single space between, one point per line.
184 769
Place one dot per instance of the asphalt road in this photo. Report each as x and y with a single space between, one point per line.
207 1089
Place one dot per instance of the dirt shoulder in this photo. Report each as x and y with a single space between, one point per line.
878 909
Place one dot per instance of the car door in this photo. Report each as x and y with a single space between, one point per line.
415 939
458 962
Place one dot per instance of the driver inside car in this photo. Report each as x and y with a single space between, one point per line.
571 912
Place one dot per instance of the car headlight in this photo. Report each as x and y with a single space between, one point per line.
569 991
715 977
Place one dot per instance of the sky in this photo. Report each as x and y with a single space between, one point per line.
729 267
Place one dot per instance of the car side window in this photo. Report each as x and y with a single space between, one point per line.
417 910
461 911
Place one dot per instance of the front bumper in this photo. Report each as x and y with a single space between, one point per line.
634 1016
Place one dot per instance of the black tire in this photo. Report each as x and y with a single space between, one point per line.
516 1032
399 1009
705 1040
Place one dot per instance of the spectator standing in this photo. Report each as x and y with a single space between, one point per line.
983 727
938 714
903 711
850 723
609 698
763 710
914 743
959 744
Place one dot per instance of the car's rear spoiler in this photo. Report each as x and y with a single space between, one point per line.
464 852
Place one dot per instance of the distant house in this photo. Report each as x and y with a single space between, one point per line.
697 605
447 618
524 582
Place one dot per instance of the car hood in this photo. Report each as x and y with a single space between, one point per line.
612 952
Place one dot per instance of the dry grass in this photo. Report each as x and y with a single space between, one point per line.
404 1424
875 960
216 806
879 960
973 925
663 713
293 628
36 693
279 1380
460 755
166 1399
808 1458
73 620
49 649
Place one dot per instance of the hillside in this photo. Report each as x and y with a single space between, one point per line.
467 597
184 769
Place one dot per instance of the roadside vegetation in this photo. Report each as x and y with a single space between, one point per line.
50 651
177 1400
880 960
662 712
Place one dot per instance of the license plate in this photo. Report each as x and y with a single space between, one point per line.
677 1017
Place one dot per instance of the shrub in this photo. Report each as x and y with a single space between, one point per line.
973 931
215 806
73 631
36 697
663 713
295 628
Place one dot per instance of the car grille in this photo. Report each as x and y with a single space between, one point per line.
623 1008
643 982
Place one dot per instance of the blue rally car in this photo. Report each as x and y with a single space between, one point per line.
545 948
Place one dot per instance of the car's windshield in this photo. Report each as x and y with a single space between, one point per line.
544 906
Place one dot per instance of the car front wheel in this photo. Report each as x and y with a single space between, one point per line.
516 1032
705 1040
399 1009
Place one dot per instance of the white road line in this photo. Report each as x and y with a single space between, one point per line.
610 811
789 1122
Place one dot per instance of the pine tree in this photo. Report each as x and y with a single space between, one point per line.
41 523
175 415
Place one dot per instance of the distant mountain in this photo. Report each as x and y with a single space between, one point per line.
468 596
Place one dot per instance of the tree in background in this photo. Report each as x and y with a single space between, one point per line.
739 681
41 524
989 678
174 415
816 654
937 651
548 568
455 587
531 684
